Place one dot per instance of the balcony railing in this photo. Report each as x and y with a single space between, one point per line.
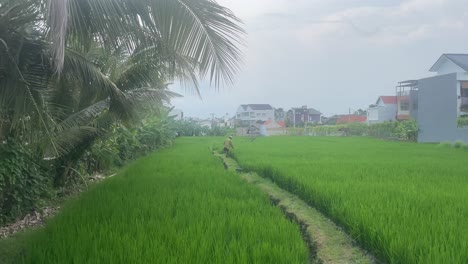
403 93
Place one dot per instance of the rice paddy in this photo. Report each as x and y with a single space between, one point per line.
406 203
175 206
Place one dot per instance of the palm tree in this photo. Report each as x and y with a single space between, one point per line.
70 68
191 38
202 33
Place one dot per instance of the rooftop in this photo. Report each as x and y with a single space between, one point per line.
257 106
461 60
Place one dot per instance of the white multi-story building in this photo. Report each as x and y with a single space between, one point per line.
251 113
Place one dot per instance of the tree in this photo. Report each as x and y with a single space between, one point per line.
69 69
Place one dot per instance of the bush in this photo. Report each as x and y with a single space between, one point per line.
358 129
462 121
383 130
458 144
407 130
445 144
23 181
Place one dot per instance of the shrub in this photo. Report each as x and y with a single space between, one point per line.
458 144
462 121
408 130
445 144
23 181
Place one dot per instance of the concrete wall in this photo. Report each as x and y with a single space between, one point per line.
262 115
448 67
437 113
381 114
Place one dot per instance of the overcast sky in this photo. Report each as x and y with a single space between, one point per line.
333 55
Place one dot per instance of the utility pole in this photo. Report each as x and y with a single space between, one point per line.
212 120
294 118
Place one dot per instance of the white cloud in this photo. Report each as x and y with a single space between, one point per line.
335 54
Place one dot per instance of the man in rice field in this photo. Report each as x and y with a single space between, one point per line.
228 145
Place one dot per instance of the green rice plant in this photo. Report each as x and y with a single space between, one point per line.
445 144
404 202
175 206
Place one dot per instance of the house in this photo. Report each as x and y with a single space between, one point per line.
407 100
348 119
443 99
248 114
274 128
385 109
303 115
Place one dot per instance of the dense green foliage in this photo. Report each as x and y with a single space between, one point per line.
193 128
403 201
404 130
23 182
462 121
176 206
79 78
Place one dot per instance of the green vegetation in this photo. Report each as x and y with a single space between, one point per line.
404 202
329 244
404 130
175 206
23 182
462 121
80 79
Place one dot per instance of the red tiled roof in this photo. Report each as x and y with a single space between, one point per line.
351 119
389 99
279 123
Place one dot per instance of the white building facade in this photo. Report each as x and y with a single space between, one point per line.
251 113
385 109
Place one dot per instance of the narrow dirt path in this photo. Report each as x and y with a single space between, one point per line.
327 242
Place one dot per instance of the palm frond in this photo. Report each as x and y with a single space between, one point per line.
91 78
58 21
204 31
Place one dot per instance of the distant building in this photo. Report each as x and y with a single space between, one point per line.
348 119
443 99
249 114
301 115
274 128
385 109
407 100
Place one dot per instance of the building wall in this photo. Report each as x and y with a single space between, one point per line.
448 67
373 115
381 114
258 115
437 115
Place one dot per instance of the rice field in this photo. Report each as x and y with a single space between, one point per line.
175 206
405 202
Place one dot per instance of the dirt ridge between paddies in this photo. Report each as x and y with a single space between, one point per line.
326 241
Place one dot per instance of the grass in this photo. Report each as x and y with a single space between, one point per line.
176 206
405 202
327 242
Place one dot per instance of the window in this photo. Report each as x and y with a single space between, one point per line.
464 92
464 89
404 105
263 114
